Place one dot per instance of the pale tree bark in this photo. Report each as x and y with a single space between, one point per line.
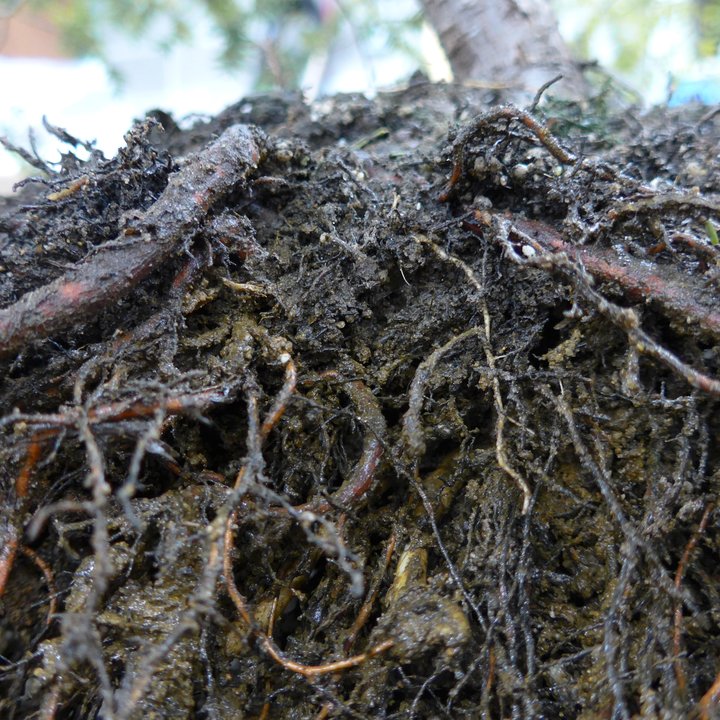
511 43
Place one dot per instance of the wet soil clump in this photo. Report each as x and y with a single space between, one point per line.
391 408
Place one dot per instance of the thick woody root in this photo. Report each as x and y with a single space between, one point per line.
626 319
141 248
527 242
637 281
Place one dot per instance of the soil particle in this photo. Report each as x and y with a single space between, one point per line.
395 408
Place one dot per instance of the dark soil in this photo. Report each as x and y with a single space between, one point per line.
293 396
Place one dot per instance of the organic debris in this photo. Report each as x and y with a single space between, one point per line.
312 411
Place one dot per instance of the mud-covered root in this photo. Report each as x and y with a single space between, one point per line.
412 433
626 319
480 124
353 489
362 477
141 248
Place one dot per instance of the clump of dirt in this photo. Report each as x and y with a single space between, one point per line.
404 407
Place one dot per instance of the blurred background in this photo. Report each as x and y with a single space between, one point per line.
92 66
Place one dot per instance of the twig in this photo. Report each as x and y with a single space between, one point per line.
541 90
30 159
118 266
65 137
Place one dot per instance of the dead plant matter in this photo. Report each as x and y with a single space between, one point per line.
315 412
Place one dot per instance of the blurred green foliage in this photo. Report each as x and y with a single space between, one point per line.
707 22
626 32
84 23
620 33
285 32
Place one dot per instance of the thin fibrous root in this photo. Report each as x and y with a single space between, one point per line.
509 113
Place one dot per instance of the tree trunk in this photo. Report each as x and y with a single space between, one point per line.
512 43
